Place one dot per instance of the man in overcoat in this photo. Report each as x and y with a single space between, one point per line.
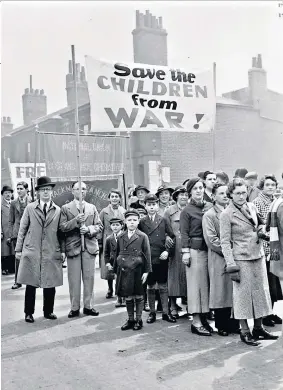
40 250
7 252
16 212
81 263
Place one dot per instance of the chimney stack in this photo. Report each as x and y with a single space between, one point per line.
34 103
82 88
6 126
257 82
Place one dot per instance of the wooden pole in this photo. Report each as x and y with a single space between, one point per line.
33 182
213 130
77 137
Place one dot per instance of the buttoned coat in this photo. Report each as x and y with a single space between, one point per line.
15 217
220 294
105 215
71 228
133 258
41 247
238 237
6 250
156 232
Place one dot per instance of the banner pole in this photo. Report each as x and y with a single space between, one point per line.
36 139
125 192
77 137
130 157
214 125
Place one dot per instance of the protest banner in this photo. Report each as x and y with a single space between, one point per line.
97 192
150 97
99 155
25 172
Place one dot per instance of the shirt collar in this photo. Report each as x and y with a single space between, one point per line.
43 203
77 202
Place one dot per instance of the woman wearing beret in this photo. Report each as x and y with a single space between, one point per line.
177 284
195 257
113 210
268 185
241 241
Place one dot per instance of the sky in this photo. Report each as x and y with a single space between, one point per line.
37 38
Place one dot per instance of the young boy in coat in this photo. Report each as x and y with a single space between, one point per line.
116 225
132 265
157 228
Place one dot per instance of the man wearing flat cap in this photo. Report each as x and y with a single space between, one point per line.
40 249
7 252
251 180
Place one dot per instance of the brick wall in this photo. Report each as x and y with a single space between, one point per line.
242 139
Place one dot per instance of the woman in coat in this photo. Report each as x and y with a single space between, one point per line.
268 185
164 195
220 284
177 284
241 241
113 210
7 251
194 256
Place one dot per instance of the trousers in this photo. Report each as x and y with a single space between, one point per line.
81 267
48 299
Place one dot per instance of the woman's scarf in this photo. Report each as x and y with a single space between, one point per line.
244 209
272 227
199 204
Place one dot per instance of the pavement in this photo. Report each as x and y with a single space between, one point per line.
93 353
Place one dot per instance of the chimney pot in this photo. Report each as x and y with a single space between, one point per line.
160 22
259 61
8 119
254 63
26 91
70 67
137 19
4 119
36 91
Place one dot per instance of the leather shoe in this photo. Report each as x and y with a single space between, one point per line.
91 312
128 325
207 326
73 313
151 318
268 321
200 330
248 339
146 307
169 318
29 318
277 320
16 286
119 303
50 316
263 334
222 332
109 294
138 325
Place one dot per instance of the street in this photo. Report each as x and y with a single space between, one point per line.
93 353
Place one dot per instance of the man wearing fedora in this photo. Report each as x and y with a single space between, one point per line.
81 263
40 249
16 212
7 252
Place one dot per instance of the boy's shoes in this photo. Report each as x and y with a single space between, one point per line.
109 294
146 307
128 325
151 318
73 313
222 332
207 326
16 286
168 318
91 312
119 302
248 339
29 318
138 325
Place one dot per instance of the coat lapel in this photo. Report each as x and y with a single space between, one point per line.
17 205
240 215
39 213
73 208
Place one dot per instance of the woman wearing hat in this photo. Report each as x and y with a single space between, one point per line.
113 210
195 256
140 192
177 285
7 252
164 195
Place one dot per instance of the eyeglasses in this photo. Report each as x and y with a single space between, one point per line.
77 189
45 189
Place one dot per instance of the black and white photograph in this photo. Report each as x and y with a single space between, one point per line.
141 195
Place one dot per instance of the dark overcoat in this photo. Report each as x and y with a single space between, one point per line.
156 232
131 261
6 250
15 216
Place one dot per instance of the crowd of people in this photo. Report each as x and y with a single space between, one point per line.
213 243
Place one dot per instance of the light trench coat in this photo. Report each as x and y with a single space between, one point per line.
41 247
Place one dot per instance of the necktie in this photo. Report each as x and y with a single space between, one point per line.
44 209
